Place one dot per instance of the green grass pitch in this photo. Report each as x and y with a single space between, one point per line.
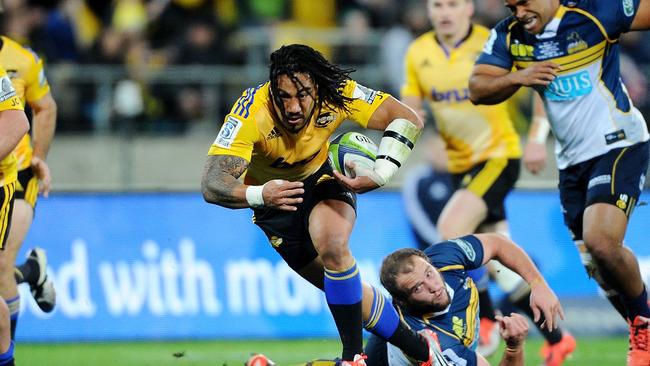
590 351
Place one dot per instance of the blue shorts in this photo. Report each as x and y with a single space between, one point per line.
615 178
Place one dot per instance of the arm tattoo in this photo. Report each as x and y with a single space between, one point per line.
220 178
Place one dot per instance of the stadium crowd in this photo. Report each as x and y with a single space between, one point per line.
136 37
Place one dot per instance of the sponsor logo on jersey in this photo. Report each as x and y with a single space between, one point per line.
275 241
521 51
549 49
601 179
458 325
228 132
466 248
324 119
42 80
7 90
575 43
275 133
628 8
366 94
569 87
615 136
622 201
452 95
641 182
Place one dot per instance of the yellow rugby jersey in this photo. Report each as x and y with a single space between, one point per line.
251 131
472 134
8 100
25 69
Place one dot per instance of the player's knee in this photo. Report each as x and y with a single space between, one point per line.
4 315
448 230
601 245
336 257
6 265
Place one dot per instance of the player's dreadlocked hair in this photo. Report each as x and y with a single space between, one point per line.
297 58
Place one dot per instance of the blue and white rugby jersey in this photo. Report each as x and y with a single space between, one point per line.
458 325
587 104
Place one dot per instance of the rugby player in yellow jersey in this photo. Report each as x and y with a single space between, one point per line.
483 152
13 125
25 70
276 139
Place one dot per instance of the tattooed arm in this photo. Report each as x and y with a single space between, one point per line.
220 184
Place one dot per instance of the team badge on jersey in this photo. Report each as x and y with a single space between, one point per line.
575 43
6 89
228 132
325 119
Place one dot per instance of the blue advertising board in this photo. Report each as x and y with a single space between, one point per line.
170 266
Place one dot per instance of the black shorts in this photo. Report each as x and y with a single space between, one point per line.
27 187
288 231
616 178
6 209
491 180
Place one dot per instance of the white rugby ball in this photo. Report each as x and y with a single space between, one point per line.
352 147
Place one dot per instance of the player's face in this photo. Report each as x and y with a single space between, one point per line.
298 97
533 14
425 287
450 17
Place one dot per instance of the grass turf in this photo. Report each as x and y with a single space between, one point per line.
590 351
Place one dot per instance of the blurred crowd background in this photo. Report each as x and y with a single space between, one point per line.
176 66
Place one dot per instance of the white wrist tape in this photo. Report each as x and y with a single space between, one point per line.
254 196
395 147
543 127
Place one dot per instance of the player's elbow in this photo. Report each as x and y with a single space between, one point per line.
476 96
206 192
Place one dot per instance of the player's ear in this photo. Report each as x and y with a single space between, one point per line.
470 8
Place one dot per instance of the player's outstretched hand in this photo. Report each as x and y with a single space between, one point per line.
545 303
363 178
534 156
513 329
538 74
283 194
42 172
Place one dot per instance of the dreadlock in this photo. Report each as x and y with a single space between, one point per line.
298 58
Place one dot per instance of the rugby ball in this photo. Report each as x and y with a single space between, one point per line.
352 147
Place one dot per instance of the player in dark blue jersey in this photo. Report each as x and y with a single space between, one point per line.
568 51
432 290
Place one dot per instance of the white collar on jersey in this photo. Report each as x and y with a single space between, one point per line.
550 30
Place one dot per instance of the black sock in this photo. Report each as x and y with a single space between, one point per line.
27 272
637 306
486 307
348 322
14 322
551 336
411 343
617 303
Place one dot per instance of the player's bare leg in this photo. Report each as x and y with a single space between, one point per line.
20 222
330 226
379 317
603 233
